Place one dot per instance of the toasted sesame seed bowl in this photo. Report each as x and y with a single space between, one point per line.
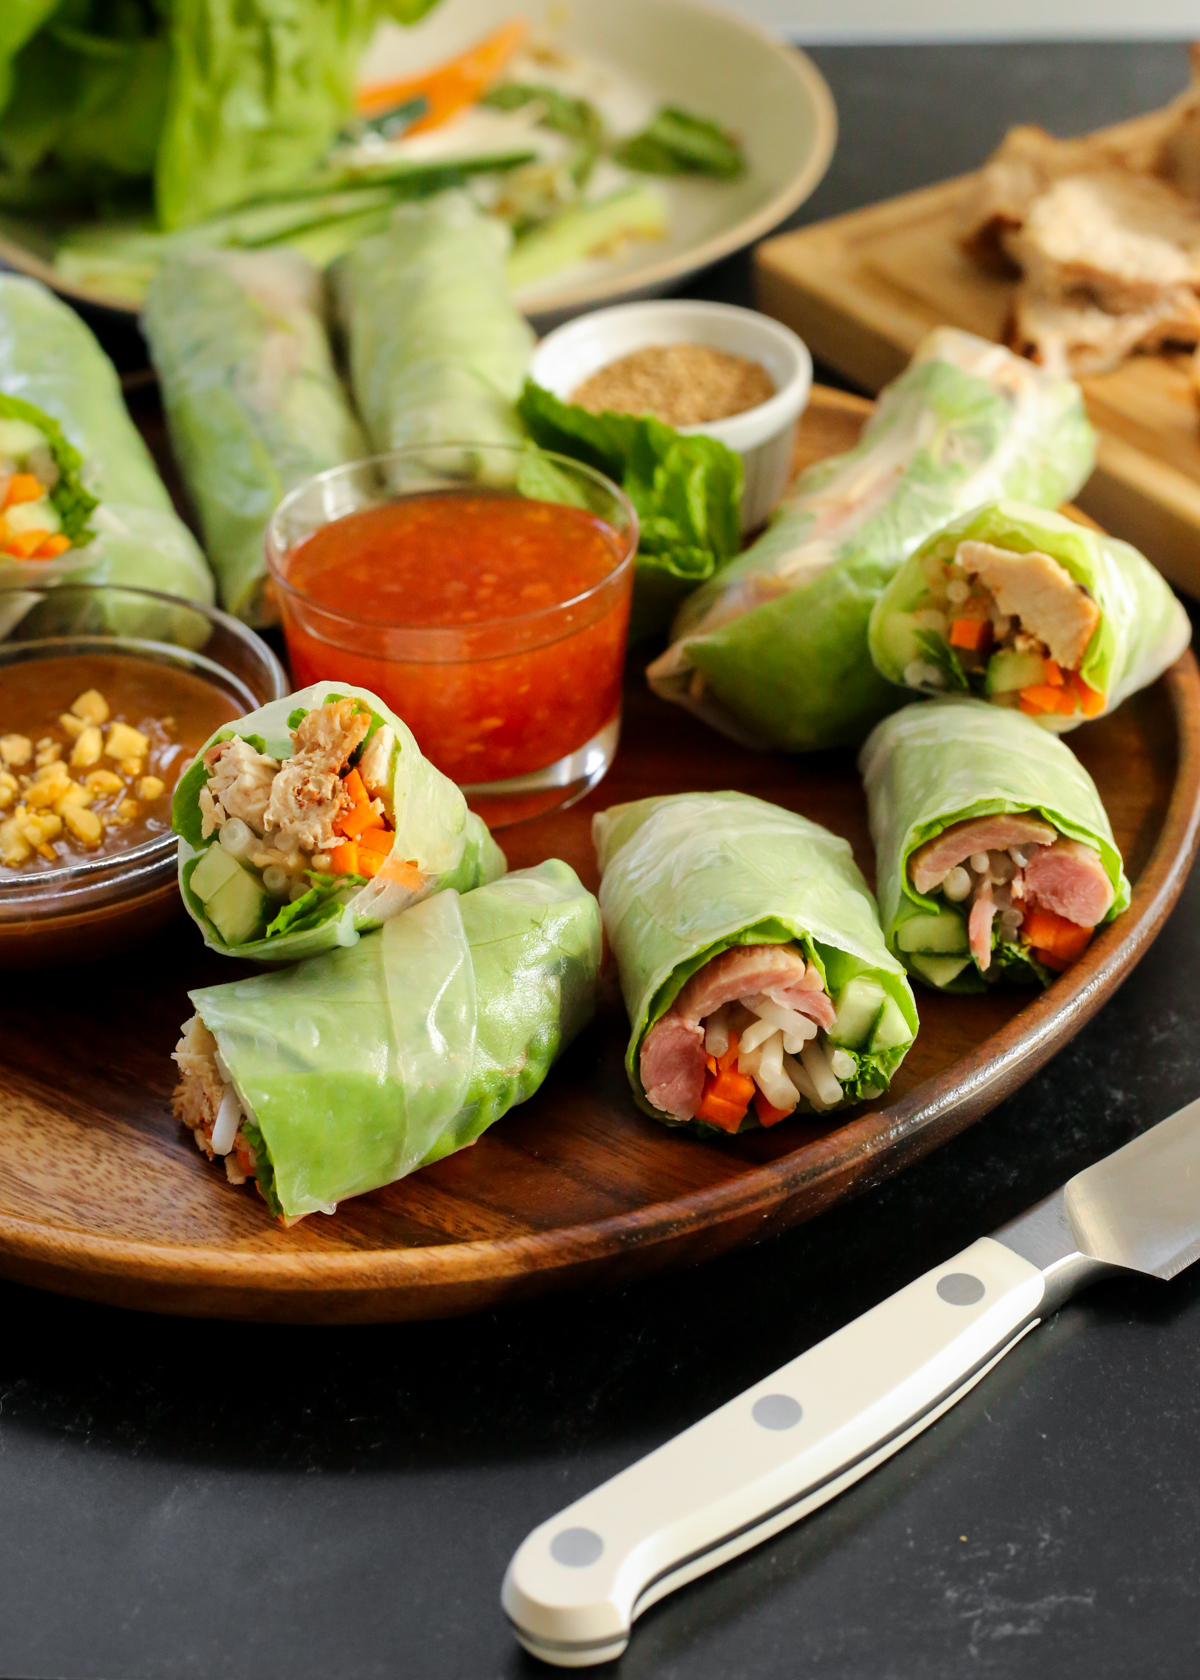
106 693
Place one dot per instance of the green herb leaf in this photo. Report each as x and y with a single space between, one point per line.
321 903
678 143
942 656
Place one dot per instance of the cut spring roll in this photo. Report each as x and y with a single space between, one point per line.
253 401
316 818
995 857
438 352
50 360
752 962
773 651
1030 610
355 1068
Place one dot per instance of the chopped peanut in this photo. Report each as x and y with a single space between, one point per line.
127 810
87 748
40 826
14 848
84 825
123 741
16 749
151 787
45 790
102 782
74 798
91 706
47 752
7 795
73 725
130 767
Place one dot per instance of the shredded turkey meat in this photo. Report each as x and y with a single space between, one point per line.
307 794
239 785
207 1103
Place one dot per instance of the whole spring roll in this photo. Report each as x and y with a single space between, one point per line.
357 1067
1031 611
752 962
995 858
51 360
253 400
315 818
773 651
438 352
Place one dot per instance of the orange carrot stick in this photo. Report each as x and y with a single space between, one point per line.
969 632
1038 698
1049 932
448 88
22 487
767 1115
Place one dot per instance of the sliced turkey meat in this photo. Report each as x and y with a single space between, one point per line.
931 863
1034 589
979 926
1069 878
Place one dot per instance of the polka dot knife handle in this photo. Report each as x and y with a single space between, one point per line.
766 1459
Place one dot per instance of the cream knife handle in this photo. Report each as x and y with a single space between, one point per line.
767 1458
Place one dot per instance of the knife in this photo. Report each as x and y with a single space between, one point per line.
798 1437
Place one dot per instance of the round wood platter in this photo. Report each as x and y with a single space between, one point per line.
103 1195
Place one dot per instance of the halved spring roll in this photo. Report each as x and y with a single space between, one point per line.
773 649
1031 611
355 1068
253 400
316 818
752 962
995 858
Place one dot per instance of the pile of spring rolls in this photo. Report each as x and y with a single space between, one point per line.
426 992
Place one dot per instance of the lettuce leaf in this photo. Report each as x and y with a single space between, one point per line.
323 900
687 491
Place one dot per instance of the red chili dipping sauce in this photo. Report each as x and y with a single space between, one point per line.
492 623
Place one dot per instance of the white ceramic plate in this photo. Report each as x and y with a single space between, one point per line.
633 55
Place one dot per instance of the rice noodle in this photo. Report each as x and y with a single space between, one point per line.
817 1067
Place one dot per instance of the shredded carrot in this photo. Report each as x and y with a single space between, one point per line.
359 815
55 545
728 1116
727 1092
728 1057
969 632
447 88
369 863
1052 673
343 860
767 1115
1091 701
377 840
1054 934
1068 702
22 487
1049 960
24 544
1038 698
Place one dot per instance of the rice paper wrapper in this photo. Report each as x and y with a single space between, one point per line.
361 1065
941 762
1143 627
438 351
253 401
773 651
50 358
450 845
687 876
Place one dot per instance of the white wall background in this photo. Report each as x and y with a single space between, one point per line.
972 20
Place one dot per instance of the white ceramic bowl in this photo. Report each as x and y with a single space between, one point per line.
762 436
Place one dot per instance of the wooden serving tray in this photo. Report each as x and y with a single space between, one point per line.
104 1195
863 289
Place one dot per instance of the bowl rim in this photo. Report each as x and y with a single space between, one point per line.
276 552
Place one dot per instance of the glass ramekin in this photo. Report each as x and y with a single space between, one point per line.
524 713
96 906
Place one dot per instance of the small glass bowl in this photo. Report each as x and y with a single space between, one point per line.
96 906
524 712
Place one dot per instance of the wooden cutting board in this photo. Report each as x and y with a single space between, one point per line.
864 289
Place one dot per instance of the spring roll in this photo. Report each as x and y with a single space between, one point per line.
356 1067
253 401
773 651
315 818
752 962
994 855
1031 611
50 360
438 352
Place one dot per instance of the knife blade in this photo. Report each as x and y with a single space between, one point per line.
796 1439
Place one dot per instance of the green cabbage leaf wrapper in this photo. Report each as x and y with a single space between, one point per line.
687 491
944 761
438 352
253 401
49 358
449 844
357 1067
773 650
1143 627
687 876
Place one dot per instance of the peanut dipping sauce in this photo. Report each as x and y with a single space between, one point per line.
91 747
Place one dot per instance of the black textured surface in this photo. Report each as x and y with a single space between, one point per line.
237 1503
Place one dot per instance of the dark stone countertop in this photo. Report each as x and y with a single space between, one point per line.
195 1499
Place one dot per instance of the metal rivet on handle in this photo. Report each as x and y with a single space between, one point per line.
777 1411
961 1289
576 1547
